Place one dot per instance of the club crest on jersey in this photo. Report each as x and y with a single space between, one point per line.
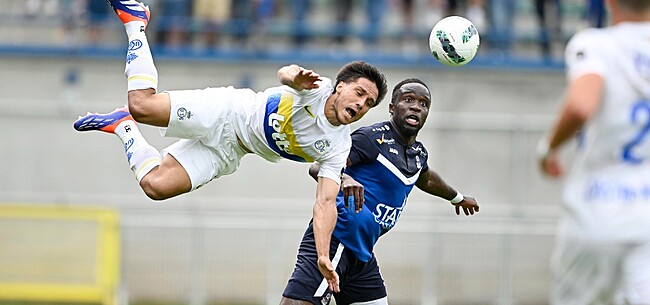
183 114
322 145
419 149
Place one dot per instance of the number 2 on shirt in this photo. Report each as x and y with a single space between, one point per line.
640 111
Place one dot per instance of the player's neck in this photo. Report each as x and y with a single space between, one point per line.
330 110
400 135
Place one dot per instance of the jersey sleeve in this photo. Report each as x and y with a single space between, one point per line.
324 87
332 167
363 149
583 54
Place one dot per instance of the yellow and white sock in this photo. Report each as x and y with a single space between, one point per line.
142 157
140 70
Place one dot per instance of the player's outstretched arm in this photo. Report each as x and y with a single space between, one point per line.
324 220
298 77
430 182
581 102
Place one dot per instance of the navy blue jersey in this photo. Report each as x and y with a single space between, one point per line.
388 169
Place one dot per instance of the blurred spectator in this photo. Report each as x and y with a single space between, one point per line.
52 11
596 13
249 20
300 34
374 10
34 8
342 25
474 10
409 40
71 12
262 11
210 15
241 19
435 11
97 12
174 23
407 7
501 23
549 25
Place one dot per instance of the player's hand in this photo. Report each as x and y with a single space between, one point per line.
352 193
325 267
550 165
469 206
306 79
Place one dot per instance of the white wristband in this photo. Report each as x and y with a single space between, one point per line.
543 148
459 197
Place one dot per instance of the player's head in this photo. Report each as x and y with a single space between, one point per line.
358 69
409 106
359 86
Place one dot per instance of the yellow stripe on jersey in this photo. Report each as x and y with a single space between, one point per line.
285 109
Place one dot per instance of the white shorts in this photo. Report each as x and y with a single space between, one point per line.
593 273
208 147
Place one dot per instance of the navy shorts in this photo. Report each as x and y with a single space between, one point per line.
359 281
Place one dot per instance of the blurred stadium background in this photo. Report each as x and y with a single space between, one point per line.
75 227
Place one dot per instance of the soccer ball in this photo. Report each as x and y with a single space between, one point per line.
454 41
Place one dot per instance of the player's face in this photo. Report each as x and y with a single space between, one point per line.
410 111
354 100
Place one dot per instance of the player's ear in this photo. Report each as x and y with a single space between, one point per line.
390 108
339 87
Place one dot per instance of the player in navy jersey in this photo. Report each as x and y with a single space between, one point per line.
384 164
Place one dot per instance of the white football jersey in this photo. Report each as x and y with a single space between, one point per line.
284 123
608 186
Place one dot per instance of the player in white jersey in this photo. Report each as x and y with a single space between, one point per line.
602 253
305 120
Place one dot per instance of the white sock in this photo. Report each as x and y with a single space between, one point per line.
142 157
140 70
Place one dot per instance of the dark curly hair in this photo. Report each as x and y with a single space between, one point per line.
359 69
